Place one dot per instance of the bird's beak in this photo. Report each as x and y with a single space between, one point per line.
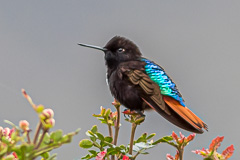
92 46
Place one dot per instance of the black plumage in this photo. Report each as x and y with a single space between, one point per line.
132 84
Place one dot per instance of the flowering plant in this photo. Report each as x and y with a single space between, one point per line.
16 144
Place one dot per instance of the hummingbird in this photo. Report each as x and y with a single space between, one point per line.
141 84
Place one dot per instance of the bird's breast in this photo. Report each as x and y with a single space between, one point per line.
125 92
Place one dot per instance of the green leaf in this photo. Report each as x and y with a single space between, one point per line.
100 136
103 111
108 139
93 152
163 139
56 135
96 115
85 143
107 113
93 139
90 134
150 136
52 157
86 157
45 155
94 129
46 140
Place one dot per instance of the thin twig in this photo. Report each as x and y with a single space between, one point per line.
28 137
134 126
41 139
110 130
37 132
117 126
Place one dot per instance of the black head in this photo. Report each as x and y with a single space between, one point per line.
118 49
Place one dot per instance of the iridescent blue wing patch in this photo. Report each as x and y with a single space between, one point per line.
159 76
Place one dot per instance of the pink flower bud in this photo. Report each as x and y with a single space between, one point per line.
24 125
50 122
125 157
46 114
174 136
101 155
191 137
6 131
169 157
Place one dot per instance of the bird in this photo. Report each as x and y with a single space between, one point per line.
141 84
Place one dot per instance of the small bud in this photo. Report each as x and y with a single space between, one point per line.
24 125
116 103
174 136
191 137
6 131
46 114
49 123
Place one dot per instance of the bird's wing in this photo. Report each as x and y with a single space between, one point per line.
151 92
161 94
159 76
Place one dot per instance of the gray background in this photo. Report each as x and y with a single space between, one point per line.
197 42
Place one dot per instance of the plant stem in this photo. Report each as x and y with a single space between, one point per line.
117 126
41 139
181 153
28 137
110 130
134 126
37 132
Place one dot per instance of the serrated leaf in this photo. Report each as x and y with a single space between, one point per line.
94 129
85 143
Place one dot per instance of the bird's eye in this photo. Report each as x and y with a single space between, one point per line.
120 50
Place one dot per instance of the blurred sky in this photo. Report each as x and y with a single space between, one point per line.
197 42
